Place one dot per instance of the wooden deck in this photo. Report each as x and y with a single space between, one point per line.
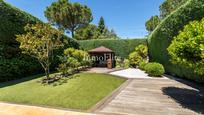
156 97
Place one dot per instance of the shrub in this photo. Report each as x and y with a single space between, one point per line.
135 59
122 63
138 55
73 60
121 47
126 63
154 69
187 49
119 63
142 64
162 37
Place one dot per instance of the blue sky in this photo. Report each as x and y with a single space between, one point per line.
126 17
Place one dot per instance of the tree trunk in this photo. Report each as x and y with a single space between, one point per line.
47 76
72 32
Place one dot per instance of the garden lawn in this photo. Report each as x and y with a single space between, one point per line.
81 91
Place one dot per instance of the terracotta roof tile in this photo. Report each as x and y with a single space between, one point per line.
101 49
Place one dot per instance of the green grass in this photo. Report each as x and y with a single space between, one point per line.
82 91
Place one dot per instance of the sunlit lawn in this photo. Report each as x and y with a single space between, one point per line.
82 91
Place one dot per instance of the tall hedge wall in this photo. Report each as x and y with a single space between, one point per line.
14 64
12 21
122 47
161 38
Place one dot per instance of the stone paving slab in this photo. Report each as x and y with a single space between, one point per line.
156 97
15 109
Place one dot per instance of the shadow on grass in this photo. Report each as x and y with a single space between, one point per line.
187 98
14 82
61 81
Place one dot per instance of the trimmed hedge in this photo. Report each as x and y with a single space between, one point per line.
161 38
20 67
13 21
122 47
13 64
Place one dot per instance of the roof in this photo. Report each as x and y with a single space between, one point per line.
100 50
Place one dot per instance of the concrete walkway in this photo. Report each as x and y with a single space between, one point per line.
102 70
132 73
155 97
14 109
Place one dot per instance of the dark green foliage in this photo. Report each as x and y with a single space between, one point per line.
169 6
154 69
68 43
69 16
13 64
13 21
88 32
122 47
101 25
152 23
92 31
161 38
20 67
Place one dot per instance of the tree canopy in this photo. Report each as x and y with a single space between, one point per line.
68 16
169 6
165 9
101 25
152 23
88 32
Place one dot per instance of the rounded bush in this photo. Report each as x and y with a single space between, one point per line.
154 69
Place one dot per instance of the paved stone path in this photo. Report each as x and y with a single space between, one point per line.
14 109
156 97
131 73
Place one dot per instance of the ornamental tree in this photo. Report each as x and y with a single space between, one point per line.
68 16
39 41
187 49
